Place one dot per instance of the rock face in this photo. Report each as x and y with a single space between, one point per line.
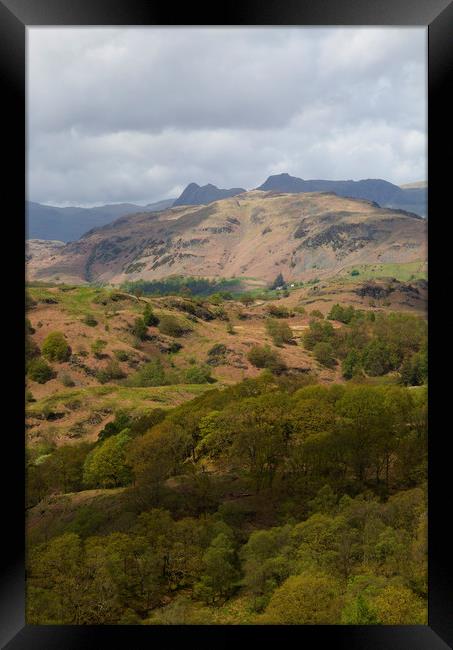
255 235
196 195
382 192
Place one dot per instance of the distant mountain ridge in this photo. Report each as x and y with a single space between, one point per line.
382 192
46 222
68 224
257 235
195 194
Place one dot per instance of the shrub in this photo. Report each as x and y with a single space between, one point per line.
220 313
317 314
39 370
342 314
278 311
192 308
30 302
122 421
172 326
198 375
217 354
90 320
246 299
31 348
149 317
216 299
29 329
318 332
174 347
55 347
67 380
98 348
121 355
264 357
279 332
110 372
150 374
355 272
139 329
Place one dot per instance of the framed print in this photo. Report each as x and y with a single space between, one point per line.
229 433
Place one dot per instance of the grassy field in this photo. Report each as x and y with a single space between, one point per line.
111 397
401 272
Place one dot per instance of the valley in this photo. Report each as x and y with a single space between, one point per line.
226 408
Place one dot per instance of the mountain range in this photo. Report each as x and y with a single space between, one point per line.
388 195
68 224
256 234
196 195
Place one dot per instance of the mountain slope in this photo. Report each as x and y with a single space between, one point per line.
259 235
382 192
68 224
196 195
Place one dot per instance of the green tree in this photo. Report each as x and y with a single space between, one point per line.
149 317
318 332
359 612
121 421
55 347
377 358
64 467
139 329
278 283
351 364
198 375
172 326
220 574
267 560
263 357
398 605
365 429
106 465
40 371
342 314
307 599
259 429
324 354
280 332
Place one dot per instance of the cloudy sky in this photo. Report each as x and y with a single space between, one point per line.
135 114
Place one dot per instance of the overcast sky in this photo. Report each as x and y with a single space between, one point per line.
135 114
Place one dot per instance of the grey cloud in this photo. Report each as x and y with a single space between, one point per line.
136 114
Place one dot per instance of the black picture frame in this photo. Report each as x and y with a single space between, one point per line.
437 16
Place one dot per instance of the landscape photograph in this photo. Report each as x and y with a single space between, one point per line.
226 326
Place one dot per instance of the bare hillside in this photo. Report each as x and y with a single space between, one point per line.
257 234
